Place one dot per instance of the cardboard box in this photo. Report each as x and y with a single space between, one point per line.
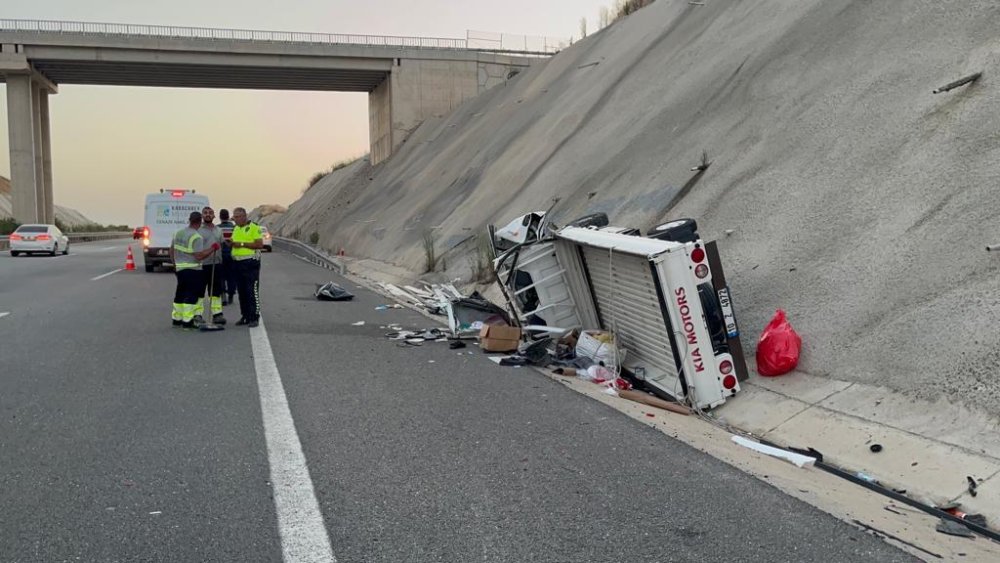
498 338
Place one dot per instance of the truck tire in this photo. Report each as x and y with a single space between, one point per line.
592 220
681 230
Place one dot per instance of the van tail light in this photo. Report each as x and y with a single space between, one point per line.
145 242
729 382
43 237
14 236
145 232
701 270
698 255
726 367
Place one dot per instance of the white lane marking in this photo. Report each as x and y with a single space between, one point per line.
300 523
4 314
102 276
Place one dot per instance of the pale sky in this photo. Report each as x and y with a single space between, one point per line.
111 145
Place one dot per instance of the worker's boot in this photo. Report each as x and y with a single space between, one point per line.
198 320
218 319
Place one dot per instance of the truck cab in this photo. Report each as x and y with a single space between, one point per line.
665 303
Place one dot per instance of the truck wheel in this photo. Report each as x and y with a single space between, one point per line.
592 220
681 230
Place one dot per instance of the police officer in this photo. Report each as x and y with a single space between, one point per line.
186 253
228 270
246 243
211 271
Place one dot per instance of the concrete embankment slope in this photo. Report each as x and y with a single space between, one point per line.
859 202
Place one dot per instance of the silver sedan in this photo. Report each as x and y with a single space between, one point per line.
28 239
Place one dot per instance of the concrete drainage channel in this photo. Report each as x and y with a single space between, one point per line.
913 469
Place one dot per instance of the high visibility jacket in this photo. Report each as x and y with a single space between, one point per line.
187 242
246 234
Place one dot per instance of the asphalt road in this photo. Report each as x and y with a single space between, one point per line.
123 439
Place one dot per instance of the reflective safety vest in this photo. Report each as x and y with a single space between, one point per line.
187 241
246 234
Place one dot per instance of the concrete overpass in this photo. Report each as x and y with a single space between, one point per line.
408 79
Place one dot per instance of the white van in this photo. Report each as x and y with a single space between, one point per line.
166 213
665 301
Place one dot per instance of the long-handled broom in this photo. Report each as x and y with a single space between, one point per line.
209 326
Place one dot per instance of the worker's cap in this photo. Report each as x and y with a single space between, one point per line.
194 217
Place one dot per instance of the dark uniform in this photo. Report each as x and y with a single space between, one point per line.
247 263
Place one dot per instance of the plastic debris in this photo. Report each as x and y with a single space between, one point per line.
359 323
953 528
798 460
330 291
779 347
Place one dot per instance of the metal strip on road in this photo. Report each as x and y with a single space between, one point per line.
4 314
102 276
303 535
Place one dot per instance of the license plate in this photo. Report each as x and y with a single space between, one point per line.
727 313
29 238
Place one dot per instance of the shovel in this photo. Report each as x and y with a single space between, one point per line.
209 326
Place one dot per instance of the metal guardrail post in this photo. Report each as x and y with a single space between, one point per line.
314 255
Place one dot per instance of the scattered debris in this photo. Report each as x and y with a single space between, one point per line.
330 291
647 399
875 448
866 478
890 509
496 338
798 460
568 372
960 82
972 485
953 528
705 163
359 323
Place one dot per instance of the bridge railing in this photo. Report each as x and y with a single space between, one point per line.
546 46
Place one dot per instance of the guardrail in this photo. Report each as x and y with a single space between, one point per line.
310 253
474 41
77 237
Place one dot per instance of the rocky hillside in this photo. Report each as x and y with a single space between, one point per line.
65 215
858 201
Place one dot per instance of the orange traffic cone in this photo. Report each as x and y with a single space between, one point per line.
129 261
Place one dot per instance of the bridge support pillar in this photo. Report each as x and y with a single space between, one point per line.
21 133
420 89
30 148
43 110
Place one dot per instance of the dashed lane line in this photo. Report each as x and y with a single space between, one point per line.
102 276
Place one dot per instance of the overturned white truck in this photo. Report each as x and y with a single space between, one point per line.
666 302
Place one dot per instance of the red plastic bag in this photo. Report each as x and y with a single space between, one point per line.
778 348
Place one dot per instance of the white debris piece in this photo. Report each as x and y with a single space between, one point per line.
798 459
